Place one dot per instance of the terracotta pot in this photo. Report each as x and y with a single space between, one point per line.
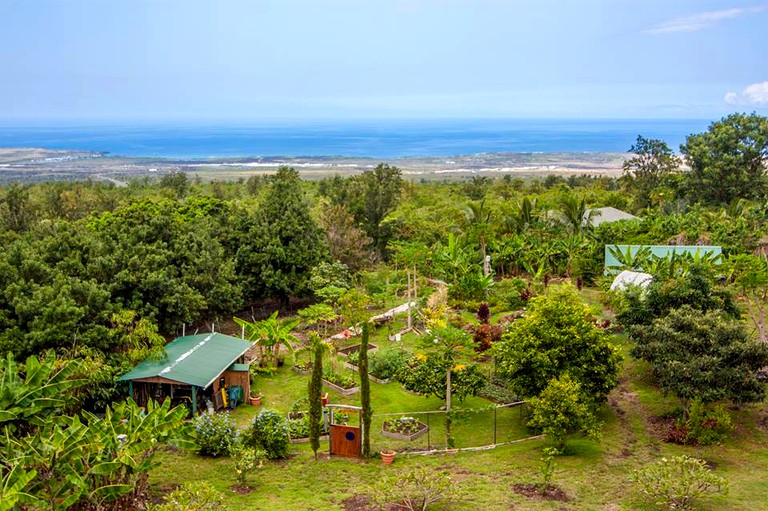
387 457
255 400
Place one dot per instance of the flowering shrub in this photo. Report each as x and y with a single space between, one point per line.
215 434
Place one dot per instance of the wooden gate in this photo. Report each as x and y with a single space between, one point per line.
345 441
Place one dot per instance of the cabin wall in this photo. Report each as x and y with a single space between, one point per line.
241 378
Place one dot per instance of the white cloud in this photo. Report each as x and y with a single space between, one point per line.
752 95
700 20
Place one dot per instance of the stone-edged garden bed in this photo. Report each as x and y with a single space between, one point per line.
341 390
404 428
371 377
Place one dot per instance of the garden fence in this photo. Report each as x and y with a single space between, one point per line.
419 431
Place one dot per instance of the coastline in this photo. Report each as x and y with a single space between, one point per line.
35 165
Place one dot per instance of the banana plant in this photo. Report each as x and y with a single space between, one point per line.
271 334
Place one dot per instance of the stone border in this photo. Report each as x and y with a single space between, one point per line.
401 436
299 371
371 377
340 390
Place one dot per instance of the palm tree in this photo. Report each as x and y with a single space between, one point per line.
575 215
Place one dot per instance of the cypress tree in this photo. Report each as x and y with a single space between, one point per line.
365 389
315 389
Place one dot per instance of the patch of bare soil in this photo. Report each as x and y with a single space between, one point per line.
535 491
242 489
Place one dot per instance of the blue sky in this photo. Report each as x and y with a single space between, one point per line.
283 59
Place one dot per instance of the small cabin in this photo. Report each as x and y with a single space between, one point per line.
193 372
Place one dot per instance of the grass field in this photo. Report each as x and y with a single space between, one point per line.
595 476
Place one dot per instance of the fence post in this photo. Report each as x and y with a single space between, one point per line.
494 424
429 445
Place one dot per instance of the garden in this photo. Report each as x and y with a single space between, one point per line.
516 379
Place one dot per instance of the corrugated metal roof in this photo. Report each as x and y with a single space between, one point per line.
608 214
195 359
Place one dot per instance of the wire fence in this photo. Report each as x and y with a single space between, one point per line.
426 431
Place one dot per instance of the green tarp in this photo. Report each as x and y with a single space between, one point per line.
195 359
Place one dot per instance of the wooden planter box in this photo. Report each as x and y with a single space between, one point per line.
345 352
340 390
371 377
423 428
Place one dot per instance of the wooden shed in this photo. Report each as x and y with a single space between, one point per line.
193 371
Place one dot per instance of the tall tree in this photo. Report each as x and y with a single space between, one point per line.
365 389
378 192
729 160
315 390
652 160
281 243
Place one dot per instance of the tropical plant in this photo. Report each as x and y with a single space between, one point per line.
271 334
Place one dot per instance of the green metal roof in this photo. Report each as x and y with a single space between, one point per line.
195 359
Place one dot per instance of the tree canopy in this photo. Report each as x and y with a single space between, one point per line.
555 338
729 160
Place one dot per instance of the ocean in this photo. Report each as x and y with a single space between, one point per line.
375 139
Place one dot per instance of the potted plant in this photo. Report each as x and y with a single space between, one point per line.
387 456
255 399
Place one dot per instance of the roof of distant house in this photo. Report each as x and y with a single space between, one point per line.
608 214
195 360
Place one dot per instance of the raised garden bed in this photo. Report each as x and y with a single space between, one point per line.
345 352
405 428
371 377
305 369
342 390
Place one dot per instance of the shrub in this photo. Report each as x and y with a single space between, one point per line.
485 335
677 482
507 294
484 313
197 495
269 431
246 460
415 489
703 426
563 408
387 363
215 434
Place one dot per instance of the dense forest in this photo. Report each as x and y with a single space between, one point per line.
106 275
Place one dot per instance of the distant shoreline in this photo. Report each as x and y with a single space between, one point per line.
37 165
